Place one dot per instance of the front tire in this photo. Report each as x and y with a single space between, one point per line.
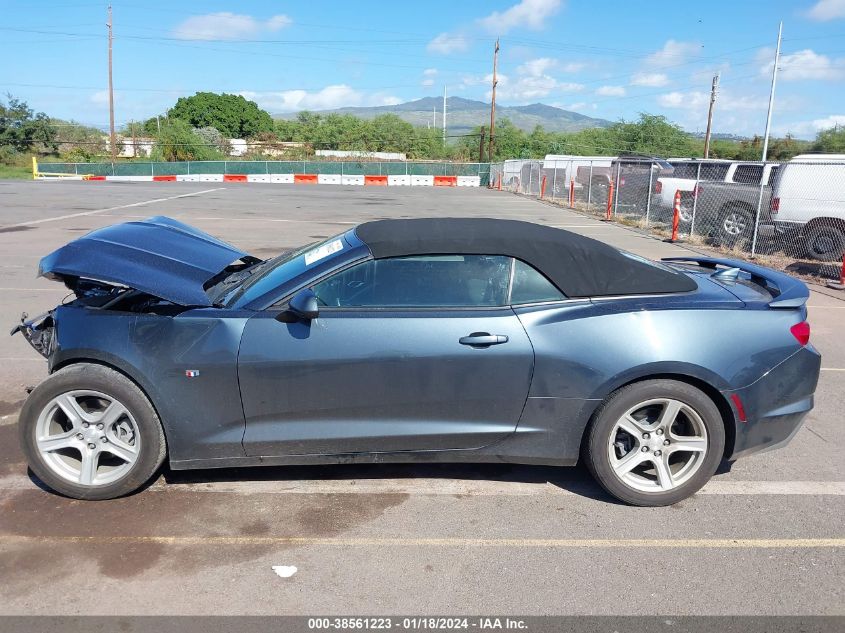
654 443
89 432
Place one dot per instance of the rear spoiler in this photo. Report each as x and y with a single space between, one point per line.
788 292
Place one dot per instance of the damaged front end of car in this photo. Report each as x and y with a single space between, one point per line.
157 266
38 332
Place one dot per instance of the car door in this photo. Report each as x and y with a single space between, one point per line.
406 354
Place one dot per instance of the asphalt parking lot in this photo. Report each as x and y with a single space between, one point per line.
764 537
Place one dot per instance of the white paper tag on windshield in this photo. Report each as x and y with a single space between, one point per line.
321 252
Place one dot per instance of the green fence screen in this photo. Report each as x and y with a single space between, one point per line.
358 168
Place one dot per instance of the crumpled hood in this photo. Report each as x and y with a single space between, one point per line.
159 256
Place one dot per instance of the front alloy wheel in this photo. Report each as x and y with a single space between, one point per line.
87 437
655 442
89 432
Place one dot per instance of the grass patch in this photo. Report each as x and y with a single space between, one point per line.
15 172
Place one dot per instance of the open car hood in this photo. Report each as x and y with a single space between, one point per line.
159 256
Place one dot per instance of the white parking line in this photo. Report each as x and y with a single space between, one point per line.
437 487
457 542
833 369
122 206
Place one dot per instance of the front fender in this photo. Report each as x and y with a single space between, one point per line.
186 365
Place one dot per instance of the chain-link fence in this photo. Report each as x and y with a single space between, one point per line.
790 214
351 168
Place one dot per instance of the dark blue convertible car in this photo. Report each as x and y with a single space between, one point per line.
450 340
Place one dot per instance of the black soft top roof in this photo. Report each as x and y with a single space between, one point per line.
577 265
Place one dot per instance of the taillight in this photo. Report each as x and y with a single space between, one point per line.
775 205
801 332
658 187
622 181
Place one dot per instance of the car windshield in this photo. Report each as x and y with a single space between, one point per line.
273 272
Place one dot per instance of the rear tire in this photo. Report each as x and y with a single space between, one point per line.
825 243
89 432
654 443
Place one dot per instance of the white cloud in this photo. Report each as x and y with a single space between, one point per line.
387 100
578 105
537 67
448 43
611 91
328 98
808 129
277 23
673 53
529 82
825 10
530 87
700 100
428 77
227 26
654 80
574 67
530 14
100 98
803 65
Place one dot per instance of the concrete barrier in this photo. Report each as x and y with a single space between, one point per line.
398 180
352 180
469 181
282 178
377 181
328 179
422 181
211 177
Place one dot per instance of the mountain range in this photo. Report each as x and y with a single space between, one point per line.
462 115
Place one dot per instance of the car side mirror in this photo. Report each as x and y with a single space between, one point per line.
304 304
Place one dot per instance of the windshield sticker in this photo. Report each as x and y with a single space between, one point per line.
321 252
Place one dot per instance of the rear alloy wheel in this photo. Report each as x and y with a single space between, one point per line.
655 442
90 433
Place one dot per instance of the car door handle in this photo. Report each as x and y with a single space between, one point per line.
483 339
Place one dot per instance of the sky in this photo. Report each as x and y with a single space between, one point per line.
612 59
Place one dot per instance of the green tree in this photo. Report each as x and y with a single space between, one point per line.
232 115
22 130
831 141
179 141
77 142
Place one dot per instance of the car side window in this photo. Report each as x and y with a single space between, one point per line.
714 171
425 281
531 286
748 174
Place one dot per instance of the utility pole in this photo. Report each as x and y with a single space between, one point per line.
111 96
493 102
772 94
766 142
713 91
434 117
444 115
481 146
